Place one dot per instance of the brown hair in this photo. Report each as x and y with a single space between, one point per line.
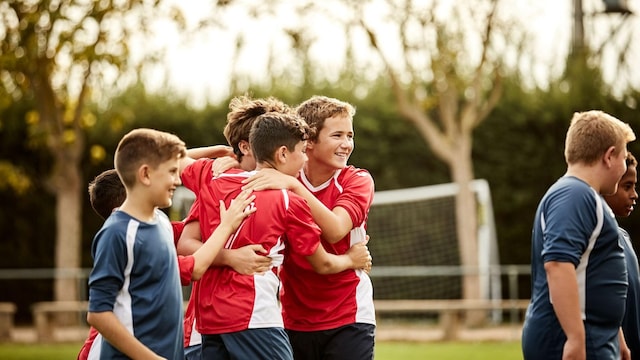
591 133
272 130
319 108
145 146
106 192
243 111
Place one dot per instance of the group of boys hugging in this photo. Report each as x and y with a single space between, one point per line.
275 242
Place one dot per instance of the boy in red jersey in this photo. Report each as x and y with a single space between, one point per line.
328 316
249 323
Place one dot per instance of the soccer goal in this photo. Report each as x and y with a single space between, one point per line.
414 243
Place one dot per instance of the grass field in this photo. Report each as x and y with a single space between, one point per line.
384 351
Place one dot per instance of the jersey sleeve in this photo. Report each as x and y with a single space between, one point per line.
302 232
357 195
195 175
569 221
107 275
186 263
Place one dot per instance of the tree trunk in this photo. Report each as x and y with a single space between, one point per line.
68 231
466 222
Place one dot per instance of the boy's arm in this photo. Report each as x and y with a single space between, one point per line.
245 260
230 219
563 290
357 257
213 151
335 223
113 331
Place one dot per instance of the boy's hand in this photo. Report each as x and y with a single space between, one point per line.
248 261
239 208
360 256
269 179
223 163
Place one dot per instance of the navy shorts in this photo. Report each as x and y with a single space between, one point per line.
266 344
349 342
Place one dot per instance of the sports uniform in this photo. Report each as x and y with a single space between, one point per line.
136 275
185 263
574 224
337 307
239 315
631 321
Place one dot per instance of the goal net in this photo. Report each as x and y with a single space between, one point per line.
414 243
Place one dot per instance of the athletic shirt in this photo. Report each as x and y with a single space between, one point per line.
314 302
227 301
136 275
574 224
631 321
91 348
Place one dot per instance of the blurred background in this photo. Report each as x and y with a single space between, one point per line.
446 92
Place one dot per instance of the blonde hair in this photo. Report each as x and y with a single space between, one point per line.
591 133
145 146
243 111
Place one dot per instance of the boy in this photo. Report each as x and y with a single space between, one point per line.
622 203
579 278
107 193
328 316
249 325
134 296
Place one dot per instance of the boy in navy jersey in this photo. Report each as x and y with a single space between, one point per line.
133 296
578 270
622 203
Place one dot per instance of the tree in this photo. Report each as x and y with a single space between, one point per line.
446 92
60 54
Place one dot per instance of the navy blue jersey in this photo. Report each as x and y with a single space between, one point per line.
136 275
631 321
574 224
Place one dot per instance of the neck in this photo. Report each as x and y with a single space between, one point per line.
317 174
585 173
141 210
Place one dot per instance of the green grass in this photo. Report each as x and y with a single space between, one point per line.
384 351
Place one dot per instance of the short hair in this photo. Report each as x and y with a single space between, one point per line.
243 111
591 133
631 160
272 130
106 192
319 108
145 146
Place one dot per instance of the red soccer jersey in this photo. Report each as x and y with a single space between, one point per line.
314 302
226 300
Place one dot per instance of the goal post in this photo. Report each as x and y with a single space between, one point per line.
414 243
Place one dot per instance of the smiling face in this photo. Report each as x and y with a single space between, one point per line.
163 181
623 201
334 143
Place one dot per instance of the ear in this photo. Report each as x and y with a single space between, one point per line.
609 156
281 155
245 148
144 174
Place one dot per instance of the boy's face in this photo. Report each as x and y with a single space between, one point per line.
624 199
163 181
335 143
295 159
